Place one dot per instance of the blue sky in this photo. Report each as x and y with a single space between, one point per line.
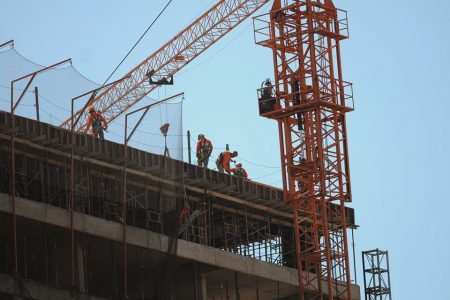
397 58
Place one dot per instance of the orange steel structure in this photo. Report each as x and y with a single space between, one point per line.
170 58
311 100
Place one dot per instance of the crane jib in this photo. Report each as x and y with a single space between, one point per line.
170 58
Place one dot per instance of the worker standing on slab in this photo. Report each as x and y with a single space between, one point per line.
98 123
239 171
204 150
224 160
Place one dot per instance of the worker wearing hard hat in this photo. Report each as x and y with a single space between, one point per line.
97 121
239 171
204 150
224 160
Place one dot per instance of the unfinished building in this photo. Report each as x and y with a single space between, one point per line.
236 243
89 218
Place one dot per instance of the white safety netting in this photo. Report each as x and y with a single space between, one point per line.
57 86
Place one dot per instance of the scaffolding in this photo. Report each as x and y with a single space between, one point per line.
377 282
226 212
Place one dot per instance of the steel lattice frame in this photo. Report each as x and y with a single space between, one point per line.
170 58
312 101
377 281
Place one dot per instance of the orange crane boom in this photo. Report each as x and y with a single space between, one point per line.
170 58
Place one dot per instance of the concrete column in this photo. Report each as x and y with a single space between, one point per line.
204 294
80 262
236 285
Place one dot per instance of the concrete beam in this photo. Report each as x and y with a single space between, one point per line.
150 240
146 239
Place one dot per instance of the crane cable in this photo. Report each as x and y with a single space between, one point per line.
134 46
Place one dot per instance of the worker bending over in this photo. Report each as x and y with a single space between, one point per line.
204 150
98 123
239 171
224 160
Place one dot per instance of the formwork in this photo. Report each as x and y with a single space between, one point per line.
235 242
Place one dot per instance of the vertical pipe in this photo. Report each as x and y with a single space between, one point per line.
42 176
236 285
380 280
278 290
388 273
46 253
226 287
189 145
80 264
224 229
55 253
25 262
13 181
89 191
210 220
221 284
257 289
354 258
85 269
115 292
364 274
72 174
195 280
298 258
247 242
25 171
36 98
124 211
142 280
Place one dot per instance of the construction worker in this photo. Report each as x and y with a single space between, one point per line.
267 100
204 150
97 121
239 171
266 90
185 213
224 159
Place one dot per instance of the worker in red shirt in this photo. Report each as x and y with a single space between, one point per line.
239 171
97 121
185 213
224 160
204 150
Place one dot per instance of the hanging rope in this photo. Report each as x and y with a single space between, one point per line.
135 44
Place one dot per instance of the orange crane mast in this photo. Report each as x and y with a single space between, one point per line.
309 103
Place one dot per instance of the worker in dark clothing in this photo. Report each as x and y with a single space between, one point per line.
97 121
267 89
224 160
239 171
267 100
204 150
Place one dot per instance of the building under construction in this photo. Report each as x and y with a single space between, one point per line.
87 218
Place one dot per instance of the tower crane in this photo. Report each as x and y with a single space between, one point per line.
309 101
